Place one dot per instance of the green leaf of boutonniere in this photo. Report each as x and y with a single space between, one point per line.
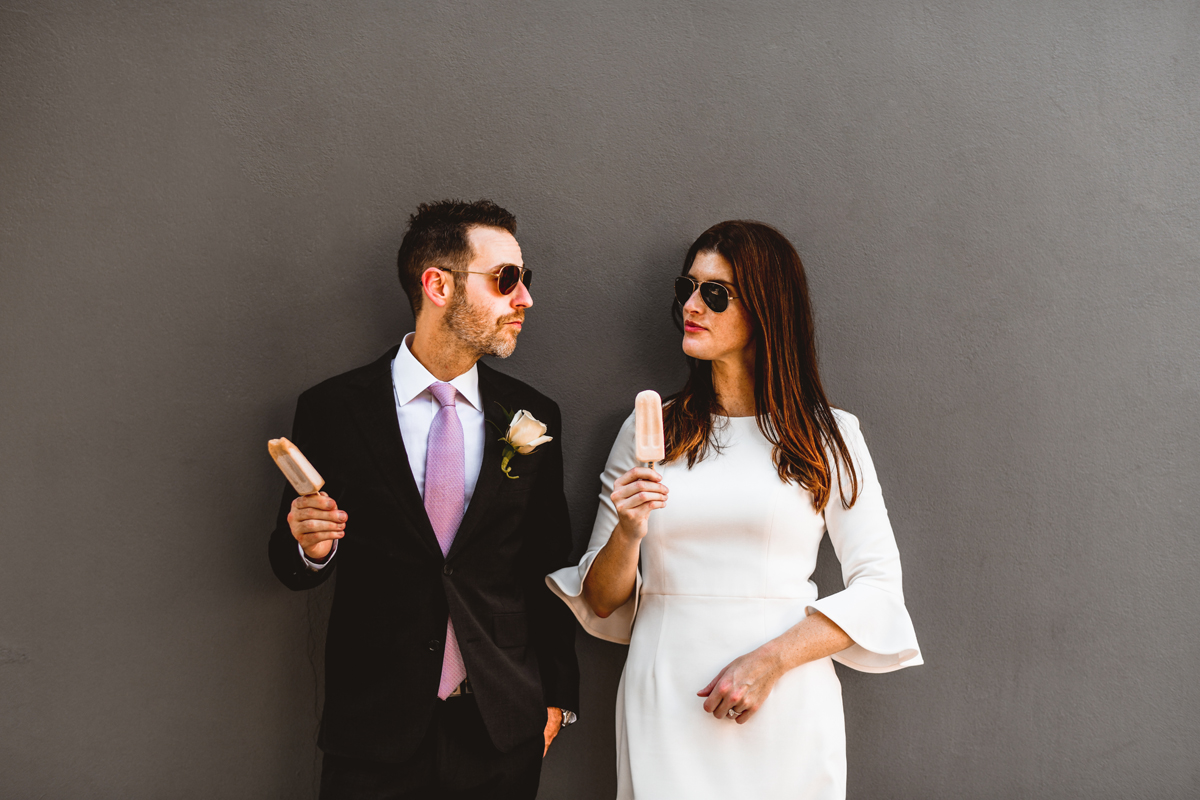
509 452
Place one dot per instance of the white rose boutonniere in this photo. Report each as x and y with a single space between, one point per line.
525 435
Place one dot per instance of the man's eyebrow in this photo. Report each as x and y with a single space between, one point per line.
499 267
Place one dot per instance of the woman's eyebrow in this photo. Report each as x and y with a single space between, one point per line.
725 283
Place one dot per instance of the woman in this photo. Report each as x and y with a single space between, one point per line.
729 689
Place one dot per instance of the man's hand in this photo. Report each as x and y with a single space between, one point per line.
316 522
553 726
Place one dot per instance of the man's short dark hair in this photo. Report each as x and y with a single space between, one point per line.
437 237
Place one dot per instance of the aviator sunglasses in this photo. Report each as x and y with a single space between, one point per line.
714 294
507 277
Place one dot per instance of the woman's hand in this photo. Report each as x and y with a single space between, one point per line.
743 685
613 576
635 494
747 681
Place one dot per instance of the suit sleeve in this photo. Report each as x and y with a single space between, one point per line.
282 549
547 547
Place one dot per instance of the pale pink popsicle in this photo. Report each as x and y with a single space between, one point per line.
647 410
295 467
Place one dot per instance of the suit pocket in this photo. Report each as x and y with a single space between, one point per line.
510 630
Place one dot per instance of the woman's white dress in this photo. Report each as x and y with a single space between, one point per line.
725 567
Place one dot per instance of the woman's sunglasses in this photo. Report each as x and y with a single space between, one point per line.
507 277
714 294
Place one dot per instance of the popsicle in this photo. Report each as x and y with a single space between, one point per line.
647 409
295 467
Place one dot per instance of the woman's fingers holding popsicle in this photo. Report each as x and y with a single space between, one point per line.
639 474
638 486
635 494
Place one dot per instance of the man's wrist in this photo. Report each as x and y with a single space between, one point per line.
317 559
313 564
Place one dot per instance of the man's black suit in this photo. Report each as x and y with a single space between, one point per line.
383 653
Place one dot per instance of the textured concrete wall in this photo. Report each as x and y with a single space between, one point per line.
997 203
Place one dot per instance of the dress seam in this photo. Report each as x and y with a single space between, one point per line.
766 567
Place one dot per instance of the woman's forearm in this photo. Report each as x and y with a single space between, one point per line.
814 637
613 576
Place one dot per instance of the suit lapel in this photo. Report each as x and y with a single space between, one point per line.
376 417
490 476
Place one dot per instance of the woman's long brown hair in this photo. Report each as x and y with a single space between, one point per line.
789 402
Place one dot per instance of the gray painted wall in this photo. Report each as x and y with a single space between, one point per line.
997 203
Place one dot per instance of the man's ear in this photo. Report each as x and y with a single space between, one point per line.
438 286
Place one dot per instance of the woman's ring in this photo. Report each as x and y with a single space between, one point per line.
731 714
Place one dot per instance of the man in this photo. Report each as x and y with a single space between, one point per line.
449 665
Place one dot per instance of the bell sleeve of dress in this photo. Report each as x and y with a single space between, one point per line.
567 583
871 608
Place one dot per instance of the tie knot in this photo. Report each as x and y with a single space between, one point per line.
444 392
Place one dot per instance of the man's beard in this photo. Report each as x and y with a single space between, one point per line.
475 329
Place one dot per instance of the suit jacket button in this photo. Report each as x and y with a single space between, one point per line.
447 570
433 645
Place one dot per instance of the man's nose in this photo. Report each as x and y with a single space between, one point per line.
521 296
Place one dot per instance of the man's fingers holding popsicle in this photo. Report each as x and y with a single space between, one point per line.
307 526
316 528
322 502
314 519
322 511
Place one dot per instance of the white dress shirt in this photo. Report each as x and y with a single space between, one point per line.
415 409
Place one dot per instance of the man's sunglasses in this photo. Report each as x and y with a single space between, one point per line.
714 294
507 277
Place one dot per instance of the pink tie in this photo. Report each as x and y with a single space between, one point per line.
445 492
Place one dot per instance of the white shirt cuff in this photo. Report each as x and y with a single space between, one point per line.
317 566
